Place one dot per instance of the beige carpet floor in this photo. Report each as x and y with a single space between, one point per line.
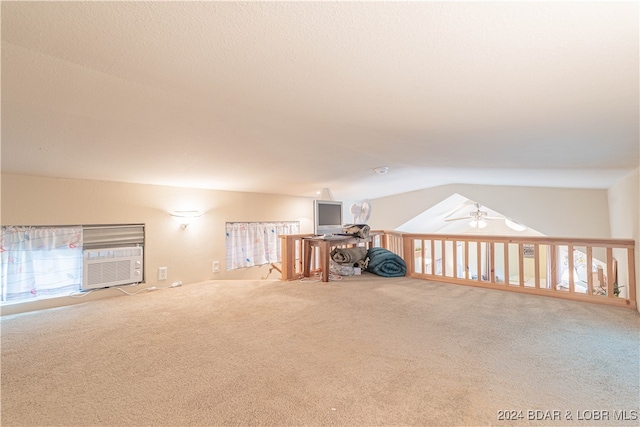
364 351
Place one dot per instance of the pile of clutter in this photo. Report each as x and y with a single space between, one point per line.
348 261
353 261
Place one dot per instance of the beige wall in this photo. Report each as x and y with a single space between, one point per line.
187 253
557 212
624 205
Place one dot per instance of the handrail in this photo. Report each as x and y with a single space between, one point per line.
598 270
603 269
626 243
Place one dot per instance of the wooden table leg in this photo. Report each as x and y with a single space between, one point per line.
306 266
324 257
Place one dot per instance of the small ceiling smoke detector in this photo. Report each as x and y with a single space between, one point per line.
381 170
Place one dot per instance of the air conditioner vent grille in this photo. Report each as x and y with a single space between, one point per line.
112 266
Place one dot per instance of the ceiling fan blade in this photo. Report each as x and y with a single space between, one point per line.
457 219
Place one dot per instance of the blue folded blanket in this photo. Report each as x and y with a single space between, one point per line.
385 263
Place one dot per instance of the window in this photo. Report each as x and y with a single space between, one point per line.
42 262
250 244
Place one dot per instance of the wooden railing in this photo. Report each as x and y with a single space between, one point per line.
393 241
598 270
593 270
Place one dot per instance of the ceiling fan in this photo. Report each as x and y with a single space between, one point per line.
477 218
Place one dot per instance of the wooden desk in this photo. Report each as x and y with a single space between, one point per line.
324 245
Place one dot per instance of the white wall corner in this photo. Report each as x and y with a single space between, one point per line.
624 216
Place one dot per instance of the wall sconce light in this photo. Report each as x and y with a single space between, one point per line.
185 218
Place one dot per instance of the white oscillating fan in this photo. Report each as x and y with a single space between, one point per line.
361 212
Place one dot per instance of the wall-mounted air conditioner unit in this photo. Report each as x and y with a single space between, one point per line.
106 267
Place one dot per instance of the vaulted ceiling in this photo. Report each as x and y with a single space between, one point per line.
292 97
454 215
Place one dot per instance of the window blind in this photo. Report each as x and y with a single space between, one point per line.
103 236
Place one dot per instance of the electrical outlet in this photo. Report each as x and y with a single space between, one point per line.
162 273
215 266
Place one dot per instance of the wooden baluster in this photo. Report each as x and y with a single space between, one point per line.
433 257
521 264
455 260
407 244
506 263
570 269
492 262
631 261
479 261
553 263
610 273
443 258
536 264
589 270
466 260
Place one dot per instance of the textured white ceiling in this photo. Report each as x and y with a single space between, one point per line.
291 97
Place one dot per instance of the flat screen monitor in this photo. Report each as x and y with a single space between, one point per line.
327 217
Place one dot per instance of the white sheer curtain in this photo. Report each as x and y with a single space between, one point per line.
38 261
256 243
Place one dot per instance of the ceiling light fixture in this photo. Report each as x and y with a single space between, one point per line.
478 223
